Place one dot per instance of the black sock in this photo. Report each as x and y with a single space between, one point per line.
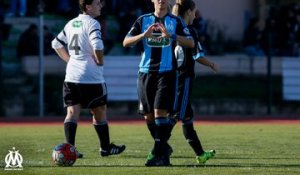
152 128
192 138
70 127
172 123
161 136
103 134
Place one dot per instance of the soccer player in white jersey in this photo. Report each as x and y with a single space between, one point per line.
80 45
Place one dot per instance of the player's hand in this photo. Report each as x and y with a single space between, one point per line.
164 33
158 27
214 67
99 62
149 31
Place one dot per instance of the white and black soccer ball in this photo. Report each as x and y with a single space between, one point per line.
64 154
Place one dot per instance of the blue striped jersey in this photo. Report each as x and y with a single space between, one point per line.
158 52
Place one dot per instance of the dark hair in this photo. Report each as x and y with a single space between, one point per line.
182 6
83 3
33 27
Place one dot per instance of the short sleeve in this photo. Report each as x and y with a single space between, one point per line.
136 28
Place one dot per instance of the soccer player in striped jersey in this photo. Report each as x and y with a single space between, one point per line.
80 45
157 34
186 62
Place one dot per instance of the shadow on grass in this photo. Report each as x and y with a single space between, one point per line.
230 165
239 165
242 158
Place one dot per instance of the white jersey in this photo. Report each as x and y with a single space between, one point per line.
81 35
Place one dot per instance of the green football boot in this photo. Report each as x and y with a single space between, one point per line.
205 156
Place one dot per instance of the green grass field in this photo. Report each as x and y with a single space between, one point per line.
242 148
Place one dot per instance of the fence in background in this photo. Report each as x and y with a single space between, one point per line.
291 79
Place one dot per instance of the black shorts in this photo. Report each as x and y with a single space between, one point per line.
86 95
156 91
182 107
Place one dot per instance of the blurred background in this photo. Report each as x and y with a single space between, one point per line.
255 43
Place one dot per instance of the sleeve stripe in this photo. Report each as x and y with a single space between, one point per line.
64 32
94 31
199 55
97 38
61 42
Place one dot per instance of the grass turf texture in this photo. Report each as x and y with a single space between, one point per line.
246 148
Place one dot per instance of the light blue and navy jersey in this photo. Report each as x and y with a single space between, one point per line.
158 53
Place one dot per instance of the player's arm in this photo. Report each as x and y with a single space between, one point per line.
184 41
200 58
97 43
181 40
132 40
99 57
63 54
58 44
135 35
204 61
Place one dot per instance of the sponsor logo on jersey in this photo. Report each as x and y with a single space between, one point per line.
77 24
157 41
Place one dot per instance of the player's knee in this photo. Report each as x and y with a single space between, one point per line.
70 120
100 122
72 116
73 111
99 117
99 113
161 113
149 118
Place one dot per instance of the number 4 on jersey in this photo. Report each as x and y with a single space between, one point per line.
74 44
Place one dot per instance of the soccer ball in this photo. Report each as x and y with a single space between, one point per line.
64 154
